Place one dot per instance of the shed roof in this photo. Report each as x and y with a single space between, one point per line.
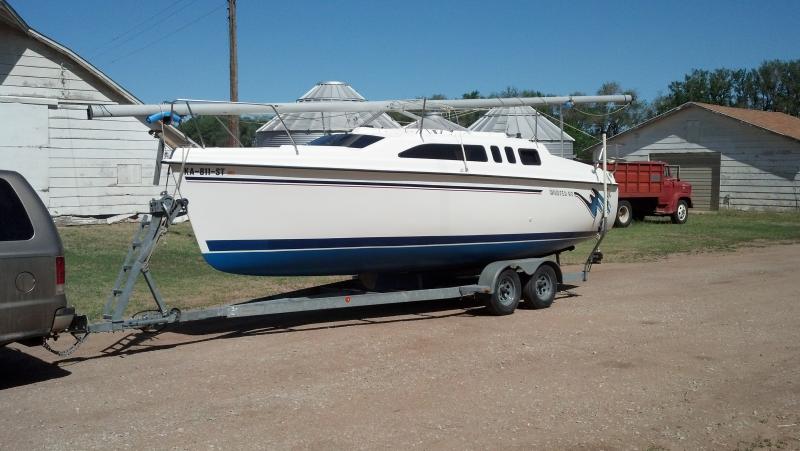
435 121
10 17
316 121
780 123
519 121
771 121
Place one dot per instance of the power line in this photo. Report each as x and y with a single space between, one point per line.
97 51
155 41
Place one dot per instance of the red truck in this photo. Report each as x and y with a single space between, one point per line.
650 188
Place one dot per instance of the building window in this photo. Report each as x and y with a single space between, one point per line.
496 154
529 157
510 155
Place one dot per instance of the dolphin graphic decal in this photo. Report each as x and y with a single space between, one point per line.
594 203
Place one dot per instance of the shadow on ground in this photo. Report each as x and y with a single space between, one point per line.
18 368
218 329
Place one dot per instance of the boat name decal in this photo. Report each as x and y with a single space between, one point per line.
203 171
594 203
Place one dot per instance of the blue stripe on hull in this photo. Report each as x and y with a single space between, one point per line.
382 259
317 243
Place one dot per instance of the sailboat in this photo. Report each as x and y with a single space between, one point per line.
383 201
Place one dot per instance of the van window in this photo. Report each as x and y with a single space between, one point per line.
15 225
475 153
496 154
529 157
510 155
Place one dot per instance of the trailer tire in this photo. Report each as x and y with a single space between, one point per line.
624 214
540 291
506 293
681 213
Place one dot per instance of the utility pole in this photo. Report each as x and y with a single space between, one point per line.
233 121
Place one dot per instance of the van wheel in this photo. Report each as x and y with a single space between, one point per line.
624 214
506 295
541 288
681 213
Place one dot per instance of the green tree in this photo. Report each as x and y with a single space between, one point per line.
773 86
214 133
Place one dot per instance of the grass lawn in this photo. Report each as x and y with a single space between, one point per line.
94 255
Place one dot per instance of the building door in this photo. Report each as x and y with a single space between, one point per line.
702 171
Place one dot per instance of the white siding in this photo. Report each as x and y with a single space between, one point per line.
758 169
554 147
78 167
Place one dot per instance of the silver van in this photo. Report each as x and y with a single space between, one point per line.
32 272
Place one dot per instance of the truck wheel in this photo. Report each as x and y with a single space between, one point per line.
540 290
506 294
624 214
681 213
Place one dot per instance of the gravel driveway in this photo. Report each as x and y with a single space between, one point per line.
691 352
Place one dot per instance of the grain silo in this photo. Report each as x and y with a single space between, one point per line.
306 127
526 123
434 121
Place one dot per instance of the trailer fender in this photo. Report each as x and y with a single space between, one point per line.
526 266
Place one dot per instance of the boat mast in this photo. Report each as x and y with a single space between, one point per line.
211 108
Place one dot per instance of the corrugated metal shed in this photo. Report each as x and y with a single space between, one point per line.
526 123
306 127
435 121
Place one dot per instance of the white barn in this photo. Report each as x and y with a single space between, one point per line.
78 167
734 157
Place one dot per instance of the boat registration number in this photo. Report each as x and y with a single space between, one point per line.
561 192
204 171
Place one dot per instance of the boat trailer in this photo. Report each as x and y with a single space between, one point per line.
349 293
490 284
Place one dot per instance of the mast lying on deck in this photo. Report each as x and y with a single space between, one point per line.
209 108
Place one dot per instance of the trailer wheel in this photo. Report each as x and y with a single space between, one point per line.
681 213
624 214
507 292
541 288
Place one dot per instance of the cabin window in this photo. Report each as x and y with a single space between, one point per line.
475 153
434 152
496 154
14 222
510 155
354 141
529 157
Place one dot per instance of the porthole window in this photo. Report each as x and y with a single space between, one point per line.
496 154
529 157
510 155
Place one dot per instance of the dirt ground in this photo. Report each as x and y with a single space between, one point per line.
692 352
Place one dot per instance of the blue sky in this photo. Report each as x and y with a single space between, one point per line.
179 49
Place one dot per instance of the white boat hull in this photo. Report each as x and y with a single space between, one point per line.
306 221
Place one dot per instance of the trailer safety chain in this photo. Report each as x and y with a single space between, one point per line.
74 347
